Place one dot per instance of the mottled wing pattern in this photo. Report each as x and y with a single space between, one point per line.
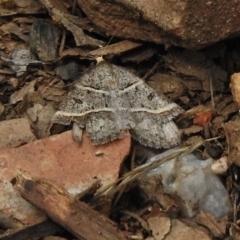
123 77
108 100
96 105
149 131
152 115
102 127
79 103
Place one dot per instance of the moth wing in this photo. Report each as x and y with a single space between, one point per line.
149 131
79 103
102 127
152 115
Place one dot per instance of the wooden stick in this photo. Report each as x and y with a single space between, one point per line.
75 216
33 232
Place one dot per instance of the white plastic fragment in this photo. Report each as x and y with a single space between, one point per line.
192 183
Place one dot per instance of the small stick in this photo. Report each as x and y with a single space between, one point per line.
62 44
33 232
75 216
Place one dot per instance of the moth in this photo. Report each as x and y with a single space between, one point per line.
109 100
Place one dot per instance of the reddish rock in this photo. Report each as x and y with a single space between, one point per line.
64 162
15 132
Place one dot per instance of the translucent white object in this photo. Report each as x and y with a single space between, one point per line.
191 182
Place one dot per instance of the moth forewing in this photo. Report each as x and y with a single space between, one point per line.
109 100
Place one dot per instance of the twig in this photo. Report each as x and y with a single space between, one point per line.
62 44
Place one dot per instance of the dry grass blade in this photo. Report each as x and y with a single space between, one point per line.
111 189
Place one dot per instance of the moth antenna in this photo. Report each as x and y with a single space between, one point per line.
100 59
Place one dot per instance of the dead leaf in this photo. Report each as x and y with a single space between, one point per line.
19 95
192 129
191 113
193 139
160 226
60 14
75 52
232 131
216 226
140 54
235 87
115 48
180 231
44 39
196 65
229 109
44 121
13 28
12 7
168 85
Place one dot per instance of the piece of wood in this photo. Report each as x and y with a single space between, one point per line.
33 232
75 216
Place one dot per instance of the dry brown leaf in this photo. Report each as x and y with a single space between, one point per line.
167 84
160 226
43 120
232 131
19 95
74 52
193 139
194 111
115 48
13 28
196 65
192 129
180 231
235 87
229 109
60 14
44 40
140 55
216 226
13 7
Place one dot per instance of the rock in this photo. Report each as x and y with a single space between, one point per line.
61 161
15 132
183 23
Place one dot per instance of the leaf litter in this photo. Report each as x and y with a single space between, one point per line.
182 75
